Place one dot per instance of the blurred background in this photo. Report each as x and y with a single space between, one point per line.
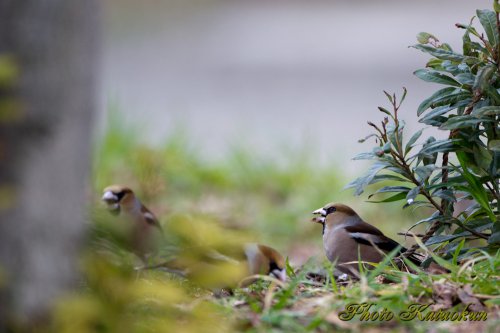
269 74
241 115
252 110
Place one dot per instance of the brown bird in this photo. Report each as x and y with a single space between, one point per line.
347 238
140 223
209 267
265 260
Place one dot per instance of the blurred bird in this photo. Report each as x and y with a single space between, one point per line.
197 262
347 238
140 223
265 260
212 268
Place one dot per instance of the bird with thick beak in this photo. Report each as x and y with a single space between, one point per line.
142 225
347 239
251 259
265 260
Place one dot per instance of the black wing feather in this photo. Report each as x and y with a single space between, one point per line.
383 242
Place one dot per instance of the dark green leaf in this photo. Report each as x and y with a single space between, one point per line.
403 97
428 101
478 224
467 157
440 53
445 194
450 67
367 137
387 189
434 117
384 110
435 77
466 41
451 98
486 111
360 183
482 157
465 78
431 219
443 238
469 28
489 22
412 140
396 197
387 147
424 37
412 194
494 238
434 63
452 181
482 78
389 97
495 234
470 252
493 94
364 156
423 172
384 177
462 122
393 138
438 146
433 121
475 188
418 204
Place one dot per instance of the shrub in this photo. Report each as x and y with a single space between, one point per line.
462 168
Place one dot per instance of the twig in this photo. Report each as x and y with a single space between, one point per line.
409 234
492 190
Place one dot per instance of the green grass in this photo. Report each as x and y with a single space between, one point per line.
301 306
270 202
273 198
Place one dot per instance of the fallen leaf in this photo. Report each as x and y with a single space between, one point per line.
467 297
444 295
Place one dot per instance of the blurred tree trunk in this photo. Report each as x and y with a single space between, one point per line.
45 125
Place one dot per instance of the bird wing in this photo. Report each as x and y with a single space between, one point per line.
369 235
149 217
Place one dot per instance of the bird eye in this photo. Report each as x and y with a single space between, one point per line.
120 195
331 210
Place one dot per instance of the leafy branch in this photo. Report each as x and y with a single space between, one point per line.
468 107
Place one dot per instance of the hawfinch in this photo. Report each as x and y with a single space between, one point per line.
347 238
142 226
262 259
210 267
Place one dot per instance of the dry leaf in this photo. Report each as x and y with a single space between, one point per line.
467 297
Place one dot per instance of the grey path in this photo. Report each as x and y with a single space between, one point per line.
269 73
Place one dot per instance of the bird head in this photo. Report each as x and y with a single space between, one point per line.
266 260
115 195
332 212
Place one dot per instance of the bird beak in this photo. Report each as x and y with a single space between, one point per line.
318 219
111 201
320 211
109 197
